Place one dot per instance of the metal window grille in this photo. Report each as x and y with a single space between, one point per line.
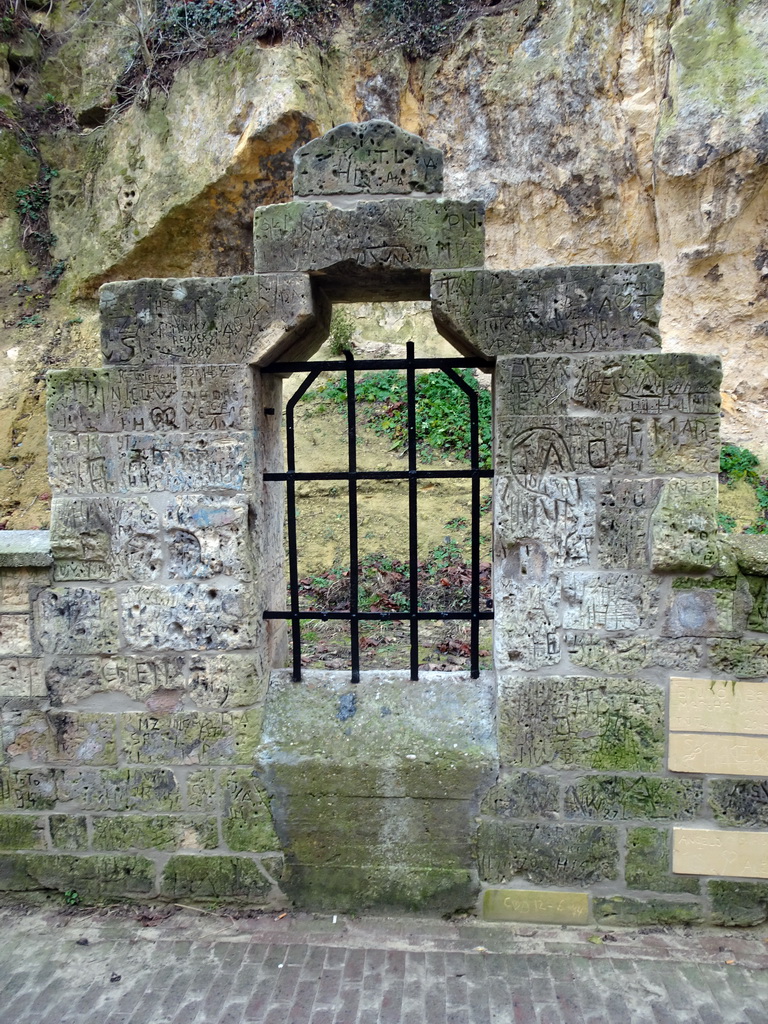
352 475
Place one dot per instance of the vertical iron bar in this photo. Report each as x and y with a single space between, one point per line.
413 527
354 563
293 563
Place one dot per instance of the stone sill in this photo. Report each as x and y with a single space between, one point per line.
20 548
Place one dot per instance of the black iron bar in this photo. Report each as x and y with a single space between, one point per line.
378 364
394 474
293 558
379 616
474 459
413 522
354 561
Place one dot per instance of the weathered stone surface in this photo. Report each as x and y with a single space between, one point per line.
20 548
684 526
200 737
575 721
17 584
527 596
373 157
58 737
623 522
236 879
556 511
188 616
21 677
105 539
185 462
246 822
648 863
203 791
626 654
706 607
623 797
21 832
647 384
751 551
207 537
159 832
739 802
739 659
119 789
70 680
683 444
532 447
28 789
228 680
92 877
523 795
216 398
536 906
68 832
618 911
533 387
348 887
389 235
203 320
738 904
547 854
15 635
77 620
83 463
610 601
552 309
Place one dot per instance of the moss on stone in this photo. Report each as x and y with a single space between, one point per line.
648 863
738 903
739 802
523 795
620 796
21 832
235 879
547 854
68 831
247 823
623 912
158 832
93 877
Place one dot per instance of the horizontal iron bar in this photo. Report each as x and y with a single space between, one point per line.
380 364
378 616
398 474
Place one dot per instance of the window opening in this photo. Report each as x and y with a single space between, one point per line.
351 604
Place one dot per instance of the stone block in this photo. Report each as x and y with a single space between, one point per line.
77 620
195 737
113 400
550 309
185 462
706 607
71 680
59 737
697 752
648 863
207 537
228 680
69 832
581 722
28 789
623 522
157 832
623 797
235 879
349 889
535 905
533 387
17 584
188 616
92 877
683 444
718 706
738 904
710 851
216 398
15 635
523 795
738 658
83 463
757 617
247 822
621 912
21 677
532 448
119 789
375 157
648 385
614 602
739 802
203 320
527 596
557 512
105 539
411 235
203 791
26 551
620 655
684 535
547 854
751 552
21 832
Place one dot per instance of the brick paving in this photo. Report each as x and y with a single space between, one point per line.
113 967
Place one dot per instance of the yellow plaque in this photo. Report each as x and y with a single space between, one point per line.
718 705
708 754
720 852
536 905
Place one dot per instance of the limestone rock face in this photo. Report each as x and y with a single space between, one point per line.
594 132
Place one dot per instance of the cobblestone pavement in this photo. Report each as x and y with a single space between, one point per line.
111 967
